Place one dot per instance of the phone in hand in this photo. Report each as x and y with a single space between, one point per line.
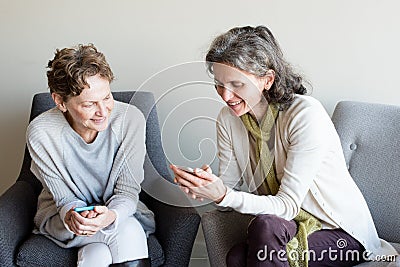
80 209
186 169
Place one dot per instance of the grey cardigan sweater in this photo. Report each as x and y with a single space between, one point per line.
107 172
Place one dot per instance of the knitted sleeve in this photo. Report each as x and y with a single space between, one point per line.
128 165
44 145
229 170
45 148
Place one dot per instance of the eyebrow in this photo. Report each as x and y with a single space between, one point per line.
230 82
93 101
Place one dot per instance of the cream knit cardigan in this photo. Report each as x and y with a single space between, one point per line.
310 167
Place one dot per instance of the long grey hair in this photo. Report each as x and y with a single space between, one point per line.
255 50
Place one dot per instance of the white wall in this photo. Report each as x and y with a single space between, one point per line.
347 49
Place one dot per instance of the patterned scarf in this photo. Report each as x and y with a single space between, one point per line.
297 248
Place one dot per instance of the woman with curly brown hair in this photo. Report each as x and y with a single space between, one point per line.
283 145
88 153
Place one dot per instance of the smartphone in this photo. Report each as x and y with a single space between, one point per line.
80 209
186 169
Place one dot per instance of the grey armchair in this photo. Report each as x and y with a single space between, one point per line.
370 137
171 245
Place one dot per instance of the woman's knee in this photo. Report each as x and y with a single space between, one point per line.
94 255
129 243
132 229
270 227
265 223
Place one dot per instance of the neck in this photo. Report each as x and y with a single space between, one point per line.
259 110
87 135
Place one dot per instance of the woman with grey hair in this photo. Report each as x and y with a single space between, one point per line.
283 145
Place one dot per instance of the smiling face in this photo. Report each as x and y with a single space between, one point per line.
89 112
242 91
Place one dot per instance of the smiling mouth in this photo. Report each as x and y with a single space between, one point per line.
234 103
99 120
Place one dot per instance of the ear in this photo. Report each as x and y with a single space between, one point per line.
59 102
269 79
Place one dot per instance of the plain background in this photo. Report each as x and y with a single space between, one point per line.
346 49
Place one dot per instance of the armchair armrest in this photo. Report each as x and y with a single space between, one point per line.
222 230
176 231
17 208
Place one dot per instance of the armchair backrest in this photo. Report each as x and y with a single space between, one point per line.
370 137
144 101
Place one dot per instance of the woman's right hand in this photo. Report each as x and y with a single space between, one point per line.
202 184
88 223
71 219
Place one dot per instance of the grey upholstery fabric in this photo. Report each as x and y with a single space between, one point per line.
40 251
370 136
223 229
171 245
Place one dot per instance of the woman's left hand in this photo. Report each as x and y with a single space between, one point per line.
87 225
202 184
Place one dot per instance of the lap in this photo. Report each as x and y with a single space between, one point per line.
129 229
333 247
329 247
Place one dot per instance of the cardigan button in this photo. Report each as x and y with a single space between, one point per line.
353 147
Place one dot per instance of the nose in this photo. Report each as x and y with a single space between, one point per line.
225 93
101 109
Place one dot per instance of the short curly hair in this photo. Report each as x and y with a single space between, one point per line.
70 68
255 50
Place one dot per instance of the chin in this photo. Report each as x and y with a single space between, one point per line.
102 127
240 112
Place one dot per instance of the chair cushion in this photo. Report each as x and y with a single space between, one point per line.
41 251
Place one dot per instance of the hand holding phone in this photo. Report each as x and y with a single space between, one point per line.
80 209
186 169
